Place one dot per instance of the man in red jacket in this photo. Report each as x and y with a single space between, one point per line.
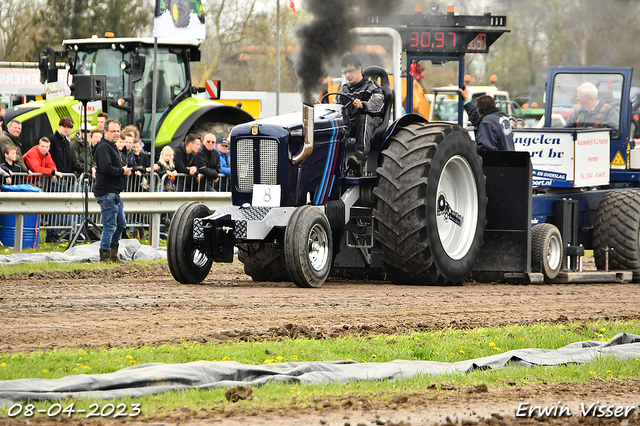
38 160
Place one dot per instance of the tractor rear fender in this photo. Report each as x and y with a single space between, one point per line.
400 123
195 112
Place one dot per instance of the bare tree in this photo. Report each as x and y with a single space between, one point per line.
228 23
17 33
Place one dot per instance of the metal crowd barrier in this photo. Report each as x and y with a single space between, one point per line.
152 203
188 183
68 183
138 222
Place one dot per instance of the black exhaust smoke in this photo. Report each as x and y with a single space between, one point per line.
327 36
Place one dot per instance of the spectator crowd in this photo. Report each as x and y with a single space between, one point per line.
56 162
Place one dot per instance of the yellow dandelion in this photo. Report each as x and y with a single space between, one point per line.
522 339
132 362
295 357
117 359
410 351
461 351
3 365
267 361
226 358
495 348
75 369
492 344
437 353
637 359
45 371
279 357
416 338
129 357
592 372
602 330
602 339
609 371
197 345
293 389
86 367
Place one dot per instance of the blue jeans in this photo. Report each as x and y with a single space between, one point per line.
113 219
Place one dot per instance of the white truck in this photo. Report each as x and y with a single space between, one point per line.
444 102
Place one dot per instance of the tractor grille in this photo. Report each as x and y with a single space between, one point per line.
268 155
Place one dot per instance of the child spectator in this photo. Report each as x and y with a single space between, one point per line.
10 166
139 162
167 167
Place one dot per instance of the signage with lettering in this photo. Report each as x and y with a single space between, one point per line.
560 160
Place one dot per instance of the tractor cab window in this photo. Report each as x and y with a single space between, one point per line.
106 61
446 107
172 80
588 100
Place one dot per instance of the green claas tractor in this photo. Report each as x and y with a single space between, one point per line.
180 10
127 64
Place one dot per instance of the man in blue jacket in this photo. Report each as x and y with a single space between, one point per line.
493 129
223 149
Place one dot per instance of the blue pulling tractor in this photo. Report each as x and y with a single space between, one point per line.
429 209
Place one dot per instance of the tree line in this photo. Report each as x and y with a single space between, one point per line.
241 37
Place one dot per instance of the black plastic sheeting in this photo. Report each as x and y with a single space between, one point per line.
155 378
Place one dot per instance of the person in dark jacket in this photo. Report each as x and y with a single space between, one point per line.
12 138
184 159
592 111
492 127
208 163
110 180
365 111
60 145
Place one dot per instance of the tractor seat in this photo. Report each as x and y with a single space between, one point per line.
378 74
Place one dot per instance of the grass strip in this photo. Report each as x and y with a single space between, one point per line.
446 346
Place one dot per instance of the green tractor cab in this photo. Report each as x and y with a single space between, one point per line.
127 64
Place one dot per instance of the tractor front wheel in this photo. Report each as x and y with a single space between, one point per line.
308 247
188 265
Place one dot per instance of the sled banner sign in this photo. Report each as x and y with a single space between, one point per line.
179 19
577 159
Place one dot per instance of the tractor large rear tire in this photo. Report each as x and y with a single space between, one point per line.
616 226
431 205
187 264
263 262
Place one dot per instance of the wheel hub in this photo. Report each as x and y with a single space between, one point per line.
318 247
457 207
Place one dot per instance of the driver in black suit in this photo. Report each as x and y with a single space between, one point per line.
365 111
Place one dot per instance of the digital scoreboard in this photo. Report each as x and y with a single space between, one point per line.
447 40
444 34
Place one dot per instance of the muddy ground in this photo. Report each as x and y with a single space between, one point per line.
134 305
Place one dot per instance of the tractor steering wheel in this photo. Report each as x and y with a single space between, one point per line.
325 98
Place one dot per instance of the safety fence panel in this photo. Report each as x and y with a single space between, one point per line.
137 223
67 183
183 182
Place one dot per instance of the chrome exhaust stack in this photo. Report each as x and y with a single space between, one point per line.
307 130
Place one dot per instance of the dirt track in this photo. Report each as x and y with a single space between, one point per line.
131 306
